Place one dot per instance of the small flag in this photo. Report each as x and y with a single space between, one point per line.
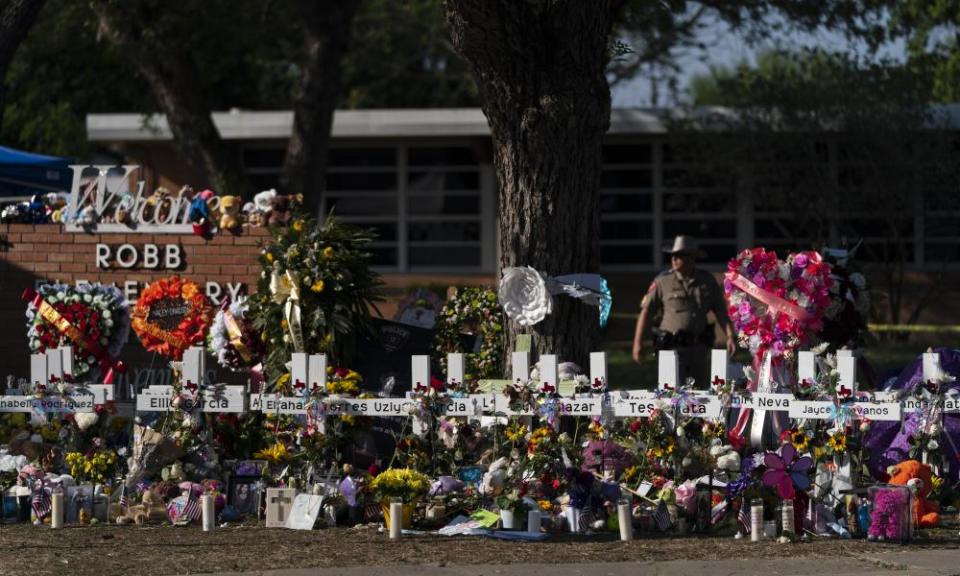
124 501
662 516
743 517
40 503
586 519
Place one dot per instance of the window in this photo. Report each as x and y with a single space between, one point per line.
626 206
425 203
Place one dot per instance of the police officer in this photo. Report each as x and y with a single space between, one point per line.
682 297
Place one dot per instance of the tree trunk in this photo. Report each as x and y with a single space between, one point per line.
326 34
173 80
16 20
540 67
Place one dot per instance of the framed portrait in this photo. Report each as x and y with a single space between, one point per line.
246 494
78 498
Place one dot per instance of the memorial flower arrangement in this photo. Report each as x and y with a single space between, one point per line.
403 483
92 318
93 467
232 339
473 310
777 305
171 315
315 293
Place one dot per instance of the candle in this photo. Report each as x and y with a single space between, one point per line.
209 513
56 518
533 521
396 520
625 518
756 520
787 518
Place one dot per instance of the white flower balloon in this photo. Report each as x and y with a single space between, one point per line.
524 296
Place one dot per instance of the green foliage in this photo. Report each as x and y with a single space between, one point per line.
327 267
474 310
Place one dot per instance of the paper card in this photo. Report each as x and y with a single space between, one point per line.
66 359
279 506
455 369
317 371
806 366
931 366
55 365
303 514
548 372
667 370
76 499
598 369
38 369
298 372
420 372
645 487
719 372
847 384
520 361
524 343
192 373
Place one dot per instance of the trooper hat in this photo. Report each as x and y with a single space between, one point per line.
685 245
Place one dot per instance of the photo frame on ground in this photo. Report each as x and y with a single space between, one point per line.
246 494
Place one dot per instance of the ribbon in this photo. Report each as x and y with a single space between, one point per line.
773 302
235 334
765 384
285 289
107 364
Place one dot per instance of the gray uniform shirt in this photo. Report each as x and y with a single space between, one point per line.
685 301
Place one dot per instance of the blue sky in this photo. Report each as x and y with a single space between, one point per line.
725 48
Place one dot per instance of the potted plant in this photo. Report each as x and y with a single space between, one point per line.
512 510
403 484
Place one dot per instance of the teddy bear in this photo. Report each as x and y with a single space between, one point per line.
280 211
886 517
151 509
229 213
159 203
918 477
200 214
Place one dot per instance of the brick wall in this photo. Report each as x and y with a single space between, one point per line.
46 252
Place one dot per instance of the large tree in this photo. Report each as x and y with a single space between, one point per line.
541 69
16 20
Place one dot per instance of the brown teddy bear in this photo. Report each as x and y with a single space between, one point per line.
150 510
280 211
229 213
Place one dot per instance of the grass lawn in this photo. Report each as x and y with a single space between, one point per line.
883 355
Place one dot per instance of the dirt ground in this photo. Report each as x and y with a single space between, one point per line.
164 550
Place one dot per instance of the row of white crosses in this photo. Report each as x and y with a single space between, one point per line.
47 372
199 397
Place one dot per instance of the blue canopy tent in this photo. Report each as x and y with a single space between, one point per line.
23 174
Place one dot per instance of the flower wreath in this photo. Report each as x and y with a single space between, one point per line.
231 337
473 304
92 318
190 330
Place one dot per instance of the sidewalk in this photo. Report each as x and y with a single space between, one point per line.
908 562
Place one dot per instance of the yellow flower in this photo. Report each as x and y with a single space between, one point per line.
297 225
328 252
799 440
545 505
935 482
515 432
630 473
838 442
269 257
283 324
317 286
276 453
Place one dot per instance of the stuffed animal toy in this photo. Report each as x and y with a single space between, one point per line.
229 213
37 210
151 509
200 213
886 520
918 477
280 211
158 204
185 508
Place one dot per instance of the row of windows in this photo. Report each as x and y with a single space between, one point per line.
434 209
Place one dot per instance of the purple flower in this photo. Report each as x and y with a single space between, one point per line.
786 472
801 260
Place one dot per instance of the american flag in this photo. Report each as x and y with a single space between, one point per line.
191 510
40 502
662 516
743 517
586 519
